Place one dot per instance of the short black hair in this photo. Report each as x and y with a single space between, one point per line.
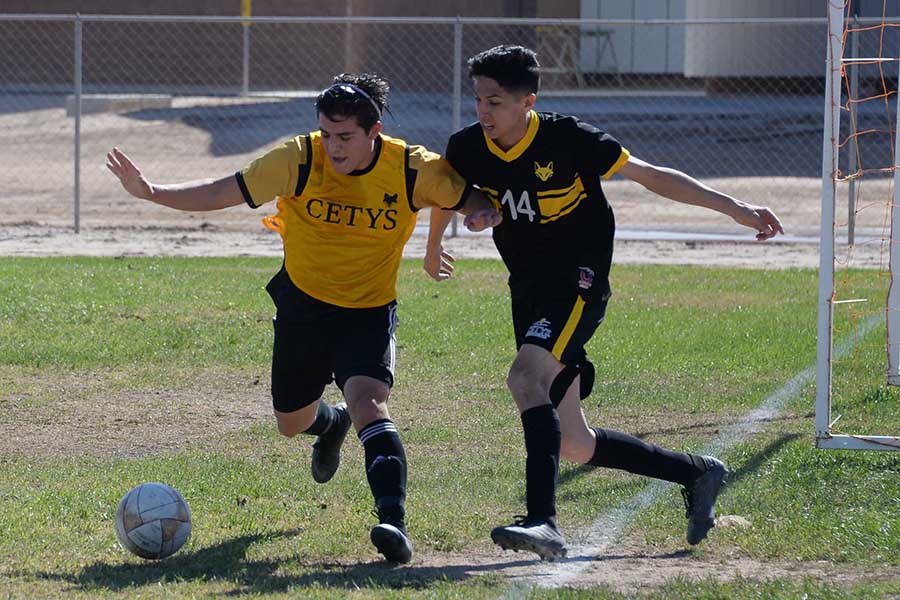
515 68
347 101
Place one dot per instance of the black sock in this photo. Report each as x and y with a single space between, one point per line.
385 467
326 417
542 440
617 450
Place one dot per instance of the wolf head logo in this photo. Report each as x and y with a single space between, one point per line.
389 200
543 173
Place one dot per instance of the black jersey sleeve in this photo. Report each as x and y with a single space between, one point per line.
597 153
456 154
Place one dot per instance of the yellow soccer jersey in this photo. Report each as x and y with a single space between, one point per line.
343 235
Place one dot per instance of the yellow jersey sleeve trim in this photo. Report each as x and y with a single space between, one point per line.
623 158
521 146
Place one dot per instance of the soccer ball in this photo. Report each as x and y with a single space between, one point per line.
153 521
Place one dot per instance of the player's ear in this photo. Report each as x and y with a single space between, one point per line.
375 130
529 100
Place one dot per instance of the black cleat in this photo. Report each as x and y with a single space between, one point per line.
390 537
540 537
326 454
700 499
392 542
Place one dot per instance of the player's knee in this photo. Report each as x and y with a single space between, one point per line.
520 380
364 411
366 399
365 408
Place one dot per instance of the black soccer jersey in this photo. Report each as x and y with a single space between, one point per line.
555 215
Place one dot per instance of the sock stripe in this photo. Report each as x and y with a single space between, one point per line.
377 428
393 345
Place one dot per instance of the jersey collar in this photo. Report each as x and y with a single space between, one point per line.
375 154
521 146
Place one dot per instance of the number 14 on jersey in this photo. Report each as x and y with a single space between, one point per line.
522 207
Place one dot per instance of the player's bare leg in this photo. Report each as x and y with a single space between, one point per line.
701 476
578 440
298 421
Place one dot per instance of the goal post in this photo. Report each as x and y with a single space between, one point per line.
857 299
893 311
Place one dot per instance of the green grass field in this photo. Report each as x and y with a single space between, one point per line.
118 371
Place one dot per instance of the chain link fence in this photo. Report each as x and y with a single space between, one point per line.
191 98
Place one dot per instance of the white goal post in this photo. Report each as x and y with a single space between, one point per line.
827 435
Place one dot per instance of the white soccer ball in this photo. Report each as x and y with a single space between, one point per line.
153 521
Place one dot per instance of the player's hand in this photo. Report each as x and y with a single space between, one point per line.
438 264
762 220
482 219
129 175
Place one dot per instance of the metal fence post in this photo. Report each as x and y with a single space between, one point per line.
853 159
77 77
457 93
246 11
245 79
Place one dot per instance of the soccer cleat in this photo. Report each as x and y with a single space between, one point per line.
390 537
326 454
538 536
700 499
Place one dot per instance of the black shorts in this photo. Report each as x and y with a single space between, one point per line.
549 312
317 343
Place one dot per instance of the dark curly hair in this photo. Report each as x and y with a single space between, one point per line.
363 96
515 68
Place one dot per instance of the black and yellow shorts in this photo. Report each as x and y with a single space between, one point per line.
317 343
552 314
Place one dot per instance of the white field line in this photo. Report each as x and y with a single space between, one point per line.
609 526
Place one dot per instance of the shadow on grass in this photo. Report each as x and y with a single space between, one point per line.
573 473
227 563
675 555
761 457
718 424
752 465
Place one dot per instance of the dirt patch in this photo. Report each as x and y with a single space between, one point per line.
633 567
629 569
75 416
28 239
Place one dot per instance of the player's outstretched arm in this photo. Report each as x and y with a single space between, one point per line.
680 187
203 195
